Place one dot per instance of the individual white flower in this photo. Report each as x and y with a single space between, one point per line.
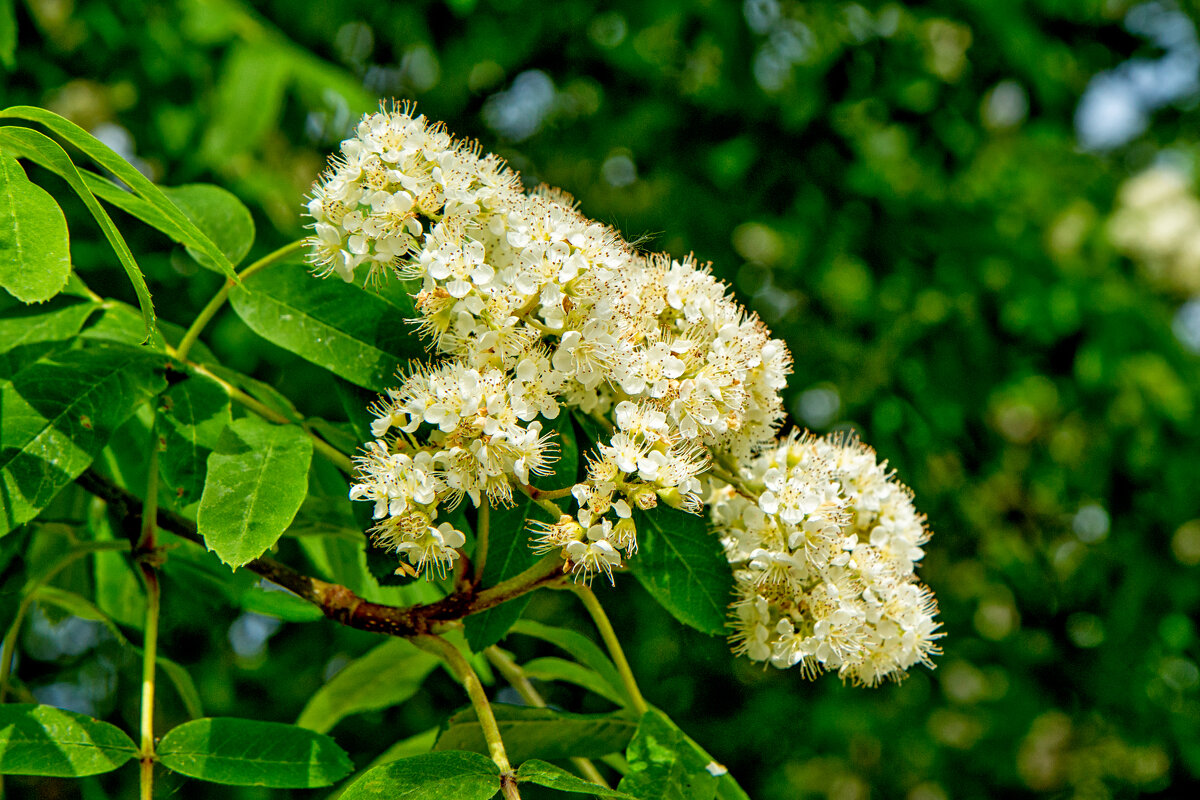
435 551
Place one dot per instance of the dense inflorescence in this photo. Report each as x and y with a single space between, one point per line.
532 309
824 542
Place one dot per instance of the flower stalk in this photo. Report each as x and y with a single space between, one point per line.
596 611
483 709
218 300
517 678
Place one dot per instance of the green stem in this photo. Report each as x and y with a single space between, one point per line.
592 604
726 470
540 498
548 494
481 540
145 542
149 659
337 457
214 305
147 560
479 701
516 678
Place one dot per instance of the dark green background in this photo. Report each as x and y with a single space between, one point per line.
941 273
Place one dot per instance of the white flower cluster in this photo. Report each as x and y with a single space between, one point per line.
1157 223
824 541
533 310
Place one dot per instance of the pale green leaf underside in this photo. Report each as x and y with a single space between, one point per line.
279 604
42 740
583 649
245 752
385 676
257 479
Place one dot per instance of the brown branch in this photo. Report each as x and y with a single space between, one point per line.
336 601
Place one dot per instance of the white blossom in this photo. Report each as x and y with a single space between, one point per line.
530 309
823 560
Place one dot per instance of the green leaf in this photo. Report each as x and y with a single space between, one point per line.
192 415
540 733
584 650
543 774
142 186
79 606
665 764
508 547
8 34
57 413
387 675
279 604
45 151
220 215
508 555
43 740
430 776
336 325
356 403
35 254
118 592
49 326
682 566
560 669
257 479
247 752
153 215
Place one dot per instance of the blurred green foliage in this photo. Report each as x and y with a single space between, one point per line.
899 190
